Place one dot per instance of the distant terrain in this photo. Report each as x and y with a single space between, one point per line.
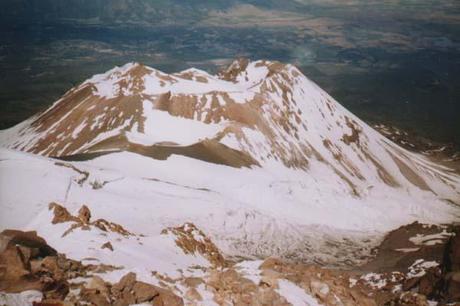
391 62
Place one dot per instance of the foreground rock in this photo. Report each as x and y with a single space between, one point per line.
415 265
31 269
126 292
28 263
419 258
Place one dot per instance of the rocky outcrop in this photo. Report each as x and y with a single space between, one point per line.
83 220
126 292
415 263
450 289
61 214
230 286
28 263
329 287
192 240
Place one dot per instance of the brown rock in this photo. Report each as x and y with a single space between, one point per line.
186 239
144 292
268 296
84 214
167 298
106 226
430 282
231 72
270 278
29 240
14 272
453 251
410 283
50 265
126 300
193 295
61 214
107 245
412 299
125 284
94 296
451 269
97 283
193 281
271 263
19 249
453 287
48 303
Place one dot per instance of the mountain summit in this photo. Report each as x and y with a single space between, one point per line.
252 114
178 189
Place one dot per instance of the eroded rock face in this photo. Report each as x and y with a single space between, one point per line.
236 68
28 263
329 287
417 258
192 240
83 220
230 286
84 214
126 292
61 214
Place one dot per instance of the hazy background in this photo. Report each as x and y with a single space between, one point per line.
395 61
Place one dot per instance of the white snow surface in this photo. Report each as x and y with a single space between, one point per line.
241 209
156 82
432 239
161 127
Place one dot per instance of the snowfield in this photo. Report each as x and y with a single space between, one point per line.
247 212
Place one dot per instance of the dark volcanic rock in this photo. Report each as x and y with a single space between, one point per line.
451 269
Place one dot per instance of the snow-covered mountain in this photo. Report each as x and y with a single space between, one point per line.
258 157
258 114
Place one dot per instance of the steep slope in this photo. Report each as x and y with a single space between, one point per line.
254 114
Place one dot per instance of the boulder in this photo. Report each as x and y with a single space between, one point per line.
144 292
18 256
107 245
125 285
167 298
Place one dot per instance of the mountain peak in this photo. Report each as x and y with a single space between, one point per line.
253 114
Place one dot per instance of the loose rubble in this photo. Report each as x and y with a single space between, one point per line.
32 271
